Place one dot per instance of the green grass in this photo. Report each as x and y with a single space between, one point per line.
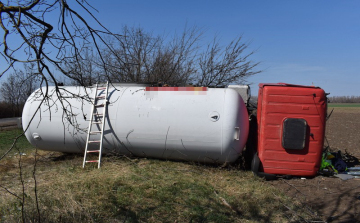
7 138
344 105
136 190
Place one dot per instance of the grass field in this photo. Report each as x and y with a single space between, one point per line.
134 190
344 105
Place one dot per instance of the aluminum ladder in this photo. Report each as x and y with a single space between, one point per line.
97 118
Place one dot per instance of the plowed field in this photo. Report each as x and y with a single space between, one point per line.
332 199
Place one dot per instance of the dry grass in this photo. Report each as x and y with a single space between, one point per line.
138 190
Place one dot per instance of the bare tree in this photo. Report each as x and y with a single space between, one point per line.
133 55
32 35
142 57
178 60
83 71
17 88
48 34
47 42
218 66
175 62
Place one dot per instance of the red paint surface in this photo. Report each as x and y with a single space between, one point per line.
276 102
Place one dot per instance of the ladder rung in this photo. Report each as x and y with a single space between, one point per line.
92 161
97 141
98 100
93 151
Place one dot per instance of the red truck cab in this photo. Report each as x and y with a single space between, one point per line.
291 129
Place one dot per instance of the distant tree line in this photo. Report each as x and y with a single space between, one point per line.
15 91
344 99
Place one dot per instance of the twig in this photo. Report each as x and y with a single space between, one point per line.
11 192
225 203
294 212
294 187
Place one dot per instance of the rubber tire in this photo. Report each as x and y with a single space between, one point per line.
255 164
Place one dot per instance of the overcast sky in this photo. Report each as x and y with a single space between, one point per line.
299 42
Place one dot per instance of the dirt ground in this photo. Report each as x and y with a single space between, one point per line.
332 199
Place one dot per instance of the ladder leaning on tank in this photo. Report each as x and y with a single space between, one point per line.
100 101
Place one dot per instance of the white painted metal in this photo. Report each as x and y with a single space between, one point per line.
243 90
102 97
210 127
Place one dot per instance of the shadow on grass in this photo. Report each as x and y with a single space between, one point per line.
183 201
66 156
344 207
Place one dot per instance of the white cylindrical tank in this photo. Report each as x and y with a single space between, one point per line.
208 125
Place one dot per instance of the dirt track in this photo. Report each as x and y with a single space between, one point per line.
332 199
10 123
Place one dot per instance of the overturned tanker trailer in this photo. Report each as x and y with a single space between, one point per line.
180 123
